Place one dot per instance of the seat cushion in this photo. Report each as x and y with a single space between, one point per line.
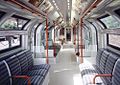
103 61
35 80
41 66
41 72
116 73
93 70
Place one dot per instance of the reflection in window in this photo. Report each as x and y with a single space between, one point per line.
117 11
114 40
9 42
110 22
15 41
1 14
14 23
4 44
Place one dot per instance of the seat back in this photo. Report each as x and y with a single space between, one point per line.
23 61
98 57
116 73
4 74
14 65
110 65
29 58
103 60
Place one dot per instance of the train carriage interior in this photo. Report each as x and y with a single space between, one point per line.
59 42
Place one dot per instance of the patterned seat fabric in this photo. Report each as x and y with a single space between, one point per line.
23 61
105 62
35 67
98 57
15 69
41 72
24 66
14 65
116 73
110 66
4 74
41 66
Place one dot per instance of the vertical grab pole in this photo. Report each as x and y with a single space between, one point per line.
75 35
54 41
81 40
47 61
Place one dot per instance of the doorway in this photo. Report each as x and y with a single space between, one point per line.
68 34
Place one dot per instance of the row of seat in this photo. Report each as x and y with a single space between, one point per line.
107 62
19 69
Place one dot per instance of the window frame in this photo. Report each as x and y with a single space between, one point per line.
18 17
104 25
23 18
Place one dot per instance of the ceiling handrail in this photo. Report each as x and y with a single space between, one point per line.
25 6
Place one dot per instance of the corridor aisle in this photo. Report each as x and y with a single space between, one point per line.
66 70
65 74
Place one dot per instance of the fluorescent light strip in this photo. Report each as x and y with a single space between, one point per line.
68 4
68 1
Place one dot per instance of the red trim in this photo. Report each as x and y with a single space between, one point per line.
92 6
54 43
101 75
25 7
47 61
24 77
81 40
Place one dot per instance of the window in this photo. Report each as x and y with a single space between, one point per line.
9 42
113 41
117 11
110 22
1 14
14 23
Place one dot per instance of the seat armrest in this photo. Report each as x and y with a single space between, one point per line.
101 75
24 77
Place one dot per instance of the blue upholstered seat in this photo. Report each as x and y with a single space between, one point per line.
110 66
4 74
15 69
116 73
24 66
35 80
32 66
105 62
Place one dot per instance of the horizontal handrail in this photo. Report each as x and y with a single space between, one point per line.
101 75
27 8
24 77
